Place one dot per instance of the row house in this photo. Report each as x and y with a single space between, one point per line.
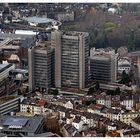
128 117
33 106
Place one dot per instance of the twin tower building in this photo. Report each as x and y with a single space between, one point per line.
61 62
64 62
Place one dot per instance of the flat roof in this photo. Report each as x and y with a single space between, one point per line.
31 123
16 121
22 36
75 33
38 20
25 32
20 70
4 66
6 99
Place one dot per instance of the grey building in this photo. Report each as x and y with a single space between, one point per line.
71 58
26 41
9 104
20 126
103 66
41 66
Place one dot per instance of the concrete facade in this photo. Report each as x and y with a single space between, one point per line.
71 55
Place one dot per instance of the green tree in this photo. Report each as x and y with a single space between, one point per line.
19 92
87 103
97 86
91 91
27 89
125 78
117 91
94 102
132 40
55 92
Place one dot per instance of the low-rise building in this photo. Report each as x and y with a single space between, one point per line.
113 114
127 101
21 126
96 109
78 123
128 117
68 130
68 105
131 133
33 106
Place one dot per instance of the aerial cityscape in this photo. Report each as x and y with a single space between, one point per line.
69 69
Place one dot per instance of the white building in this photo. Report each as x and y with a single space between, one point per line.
123 65
33 107
68 105
112 127
128 102
78 124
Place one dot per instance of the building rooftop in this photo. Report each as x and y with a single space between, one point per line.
3 135
15 121
20 70
44 46
34 102
25 32
4 67
74 33
20 123
6 99
14 57
113 134
38 20
105 57
22 36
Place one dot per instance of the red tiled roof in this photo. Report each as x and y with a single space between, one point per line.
41 102
97 107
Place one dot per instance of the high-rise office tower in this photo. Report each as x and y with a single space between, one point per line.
103 65
41 67
71 58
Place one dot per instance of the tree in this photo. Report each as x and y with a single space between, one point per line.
125 78
49 91
110 92
87 103
27 89
117 91
19 92
55 92
97 86
91 91
94 102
